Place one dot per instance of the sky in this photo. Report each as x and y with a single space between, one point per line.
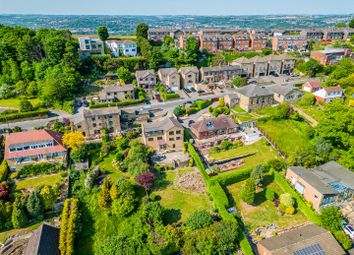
176 7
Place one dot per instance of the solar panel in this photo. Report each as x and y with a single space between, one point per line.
314 249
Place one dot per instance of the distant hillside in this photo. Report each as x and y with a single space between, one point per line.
125 25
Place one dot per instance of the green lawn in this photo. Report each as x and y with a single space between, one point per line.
288 135
264 153
264 212
185 202
35 182
314 111
15 102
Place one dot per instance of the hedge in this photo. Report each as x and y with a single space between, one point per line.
121 103
22 115
171 96
199 163
308 212
38 169
4 170
233 177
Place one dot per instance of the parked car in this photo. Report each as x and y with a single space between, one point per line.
187 90
190 122
349 230
294 75
193 90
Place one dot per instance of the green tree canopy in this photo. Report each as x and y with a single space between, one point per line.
142 30
102 33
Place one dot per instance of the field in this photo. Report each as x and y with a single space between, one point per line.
264 153
181 203
288 135
15 102
263 213
35 182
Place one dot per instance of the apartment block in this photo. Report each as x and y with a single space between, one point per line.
331 56
258 41
289 43
242 41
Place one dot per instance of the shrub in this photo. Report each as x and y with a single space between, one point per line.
233 177
331 218
269 194
290 210
4 171
257 175
39 169
286 200
23 115
343 239
199 219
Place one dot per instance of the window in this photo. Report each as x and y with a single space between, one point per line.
171 133
94 125
178 138
178 132
151 139
171 139
315 196
159 138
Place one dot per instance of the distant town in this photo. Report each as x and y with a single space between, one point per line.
177 135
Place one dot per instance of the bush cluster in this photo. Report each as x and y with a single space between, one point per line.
23 115
39 169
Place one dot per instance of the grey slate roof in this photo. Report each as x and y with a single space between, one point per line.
101 111
219 68
212 124
302 237
167 71
321 177
118 88
282 89
254 90
44 241
144 73
164 124
187 69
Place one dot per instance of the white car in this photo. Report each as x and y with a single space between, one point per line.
349 230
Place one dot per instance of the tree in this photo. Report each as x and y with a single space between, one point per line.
102 33
123 205
248 191
199 219
124 75
25 105
153 213
286 199
239 82
269 194
4 190
228 235
257 175
74 140
61 82
331 218
146 180
303 156
104 196
19 217
32 89
307 100
341 24
79 155
323 149
49 196
34 205
142 30
179 111
351 23
191 51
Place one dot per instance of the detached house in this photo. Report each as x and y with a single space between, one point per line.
304 240
213 131
125 48
189 76
93 121
34 146
90 46
286 93
330 56
146 79
254 97
163 134
169 77
311 86
328 184
329 94
116 93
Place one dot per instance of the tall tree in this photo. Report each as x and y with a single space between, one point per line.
19 217
146 180
142 30
102 33
248 191
34 205
104 196
74 140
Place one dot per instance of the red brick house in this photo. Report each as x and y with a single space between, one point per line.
209 128
258 41
241 41
34 146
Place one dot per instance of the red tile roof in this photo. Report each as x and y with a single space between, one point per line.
31 137
330 89
314 84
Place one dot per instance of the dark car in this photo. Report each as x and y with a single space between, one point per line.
190 122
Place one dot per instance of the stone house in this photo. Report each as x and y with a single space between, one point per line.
231 100
220 73
93 121
116 93
169 77
286 93
163 134
146 79
254 97
189 76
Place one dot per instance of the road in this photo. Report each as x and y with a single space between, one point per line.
60 115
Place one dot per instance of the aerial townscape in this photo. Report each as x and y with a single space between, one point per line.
182 135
